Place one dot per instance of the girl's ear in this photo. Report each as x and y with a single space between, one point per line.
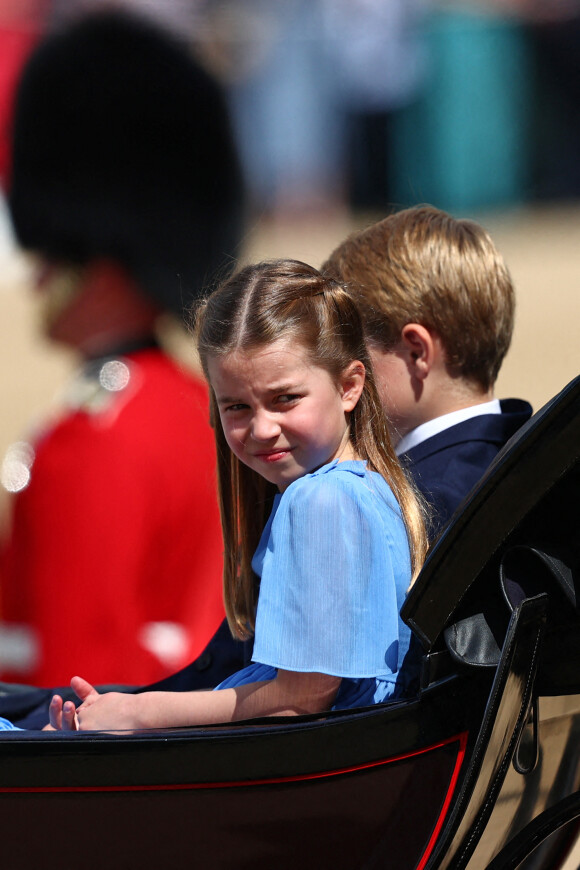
351 384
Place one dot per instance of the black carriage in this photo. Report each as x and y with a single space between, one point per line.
479 770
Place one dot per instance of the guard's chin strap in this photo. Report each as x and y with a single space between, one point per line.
132 345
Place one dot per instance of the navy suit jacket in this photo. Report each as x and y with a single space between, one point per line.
446 466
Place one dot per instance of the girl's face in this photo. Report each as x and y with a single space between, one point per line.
281 415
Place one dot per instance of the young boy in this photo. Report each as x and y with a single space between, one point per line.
438 304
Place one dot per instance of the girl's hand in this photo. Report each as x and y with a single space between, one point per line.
111 711
63 716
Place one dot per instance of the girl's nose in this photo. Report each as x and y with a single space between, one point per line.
265 427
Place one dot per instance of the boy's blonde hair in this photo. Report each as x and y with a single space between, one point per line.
289 300
423 266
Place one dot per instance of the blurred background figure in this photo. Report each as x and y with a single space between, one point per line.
552 28
313 85
273 60
180 17
125 186
377 58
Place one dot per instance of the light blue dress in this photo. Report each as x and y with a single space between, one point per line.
334 565
5 725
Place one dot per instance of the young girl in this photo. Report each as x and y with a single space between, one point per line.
322 531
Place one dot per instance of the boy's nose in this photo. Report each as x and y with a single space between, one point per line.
265 426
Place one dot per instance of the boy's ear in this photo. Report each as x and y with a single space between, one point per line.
419 348
351 385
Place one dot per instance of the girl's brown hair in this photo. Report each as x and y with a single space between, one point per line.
289 300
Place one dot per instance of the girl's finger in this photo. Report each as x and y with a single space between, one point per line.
69 717
83 689
55 712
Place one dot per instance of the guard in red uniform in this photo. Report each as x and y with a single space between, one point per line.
125 185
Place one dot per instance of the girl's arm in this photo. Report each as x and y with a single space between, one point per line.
290 694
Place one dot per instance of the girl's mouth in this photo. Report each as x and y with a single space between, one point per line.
273 455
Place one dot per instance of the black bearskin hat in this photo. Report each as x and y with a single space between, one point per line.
122 148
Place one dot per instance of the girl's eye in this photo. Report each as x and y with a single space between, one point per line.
237 407
287 398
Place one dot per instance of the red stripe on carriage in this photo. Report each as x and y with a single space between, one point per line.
458 738
450 791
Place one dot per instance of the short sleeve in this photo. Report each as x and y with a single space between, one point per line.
336 556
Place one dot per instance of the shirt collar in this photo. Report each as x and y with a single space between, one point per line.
445 421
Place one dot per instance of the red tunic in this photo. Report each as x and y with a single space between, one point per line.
113 570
